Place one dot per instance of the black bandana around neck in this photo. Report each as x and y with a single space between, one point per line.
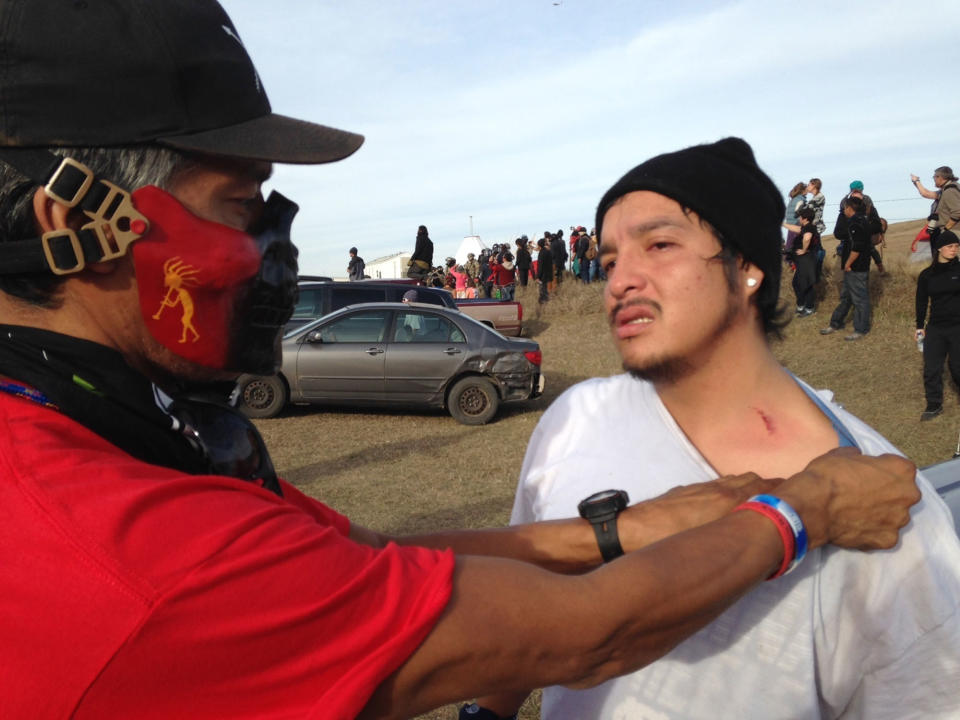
93 385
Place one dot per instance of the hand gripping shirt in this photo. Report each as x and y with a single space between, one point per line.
846 635
129 590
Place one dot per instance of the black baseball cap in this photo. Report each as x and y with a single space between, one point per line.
99 73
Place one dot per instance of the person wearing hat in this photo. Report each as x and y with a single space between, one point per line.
154 564
938 287
356 266
692 298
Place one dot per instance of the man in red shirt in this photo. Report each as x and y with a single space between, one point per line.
154 565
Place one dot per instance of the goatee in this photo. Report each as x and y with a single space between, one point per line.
660 370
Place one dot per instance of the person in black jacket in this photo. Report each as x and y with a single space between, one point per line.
421 261
855 260
939 287
558 248
544 269
524 260
356 266
874 221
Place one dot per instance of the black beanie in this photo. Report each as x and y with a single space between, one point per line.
943 238
723 184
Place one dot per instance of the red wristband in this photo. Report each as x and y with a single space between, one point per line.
786 533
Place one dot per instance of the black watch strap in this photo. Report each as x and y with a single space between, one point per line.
601 510
605 528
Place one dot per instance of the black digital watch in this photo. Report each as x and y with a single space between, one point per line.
601 509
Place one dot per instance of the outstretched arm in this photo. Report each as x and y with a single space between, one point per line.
570 546
929 194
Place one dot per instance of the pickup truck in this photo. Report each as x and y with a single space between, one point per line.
504 316
321 296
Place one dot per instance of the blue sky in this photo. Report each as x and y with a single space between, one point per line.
521 113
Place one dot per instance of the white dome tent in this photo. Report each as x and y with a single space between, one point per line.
470 244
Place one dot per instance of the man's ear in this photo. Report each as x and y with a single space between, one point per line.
50 214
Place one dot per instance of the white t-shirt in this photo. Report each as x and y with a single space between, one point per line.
847 634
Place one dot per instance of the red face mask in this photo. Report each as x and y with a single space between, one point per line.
216 296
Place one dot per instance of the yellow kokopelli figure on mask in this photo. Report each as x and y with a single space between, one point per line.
176 276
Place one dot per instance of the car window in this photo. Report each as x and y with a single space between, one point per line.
418 327
365 327
347 295
308 303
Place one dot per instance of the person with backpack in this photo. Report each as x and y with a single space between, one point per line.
356 266
875 222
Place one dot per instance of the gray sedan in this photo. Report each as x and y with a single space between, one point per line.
398 354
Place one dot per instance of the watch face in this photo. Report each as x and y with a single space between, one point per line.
605 501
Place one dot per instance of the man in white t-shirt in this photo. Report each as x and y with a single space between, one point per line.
693 280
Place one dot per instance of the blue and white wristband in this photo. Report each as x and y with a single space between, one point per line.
796 525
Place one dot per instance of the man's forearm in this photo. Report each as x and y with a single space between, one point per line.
570 546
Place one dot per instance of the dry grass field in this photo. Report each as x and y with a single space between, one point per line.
414 471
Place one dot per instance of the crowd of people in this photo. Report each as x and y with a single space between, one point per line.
497 271
860 232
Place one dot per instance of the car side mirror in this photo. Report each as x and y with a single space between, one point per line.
314 337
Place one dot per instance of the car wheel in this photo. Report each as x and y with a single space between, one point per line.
473 401
262 396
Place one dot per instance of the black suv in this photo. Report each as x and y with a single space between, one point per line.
319 297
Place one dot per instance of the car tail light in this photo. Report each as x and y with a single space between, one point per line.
519 312
534 356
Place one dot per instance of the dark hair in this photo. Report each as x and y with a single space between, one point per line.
353 251
856 203
798 189
807 214
129 167
816 183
